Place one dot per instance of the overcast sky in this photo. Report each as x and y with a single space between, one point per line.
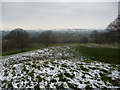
58 15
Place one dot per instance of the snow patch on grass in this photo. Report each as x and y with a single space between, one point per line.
56 67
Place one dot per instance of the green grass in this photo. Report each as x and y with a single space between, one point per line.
33 46
62 44
101 52
104 54
105 45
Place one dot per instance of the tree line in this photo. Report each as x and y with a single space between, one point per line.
19 38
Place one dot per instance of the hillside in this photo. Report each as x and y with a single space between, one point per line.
56 67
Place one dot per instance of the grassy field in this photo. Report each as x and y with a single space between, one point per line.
100 53
33 46
57 67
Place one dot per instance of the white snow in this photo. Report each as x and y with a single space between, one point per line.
55 67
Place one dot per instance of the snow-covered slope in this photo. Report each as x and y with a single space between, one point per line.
56 67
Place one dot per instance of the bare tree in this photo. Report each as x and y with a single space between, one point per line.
84 40
110 35
95 36
114 30
47 38
18 38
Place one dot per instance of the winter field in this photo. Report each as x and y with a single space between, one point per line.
57 67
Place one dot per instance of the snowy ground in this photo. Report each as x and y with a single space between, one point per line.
56 67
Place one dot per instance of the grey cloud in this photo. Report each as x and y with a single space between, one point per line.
49 15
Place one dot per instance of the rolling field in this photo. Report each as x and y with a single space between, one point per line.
107 53
59 67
